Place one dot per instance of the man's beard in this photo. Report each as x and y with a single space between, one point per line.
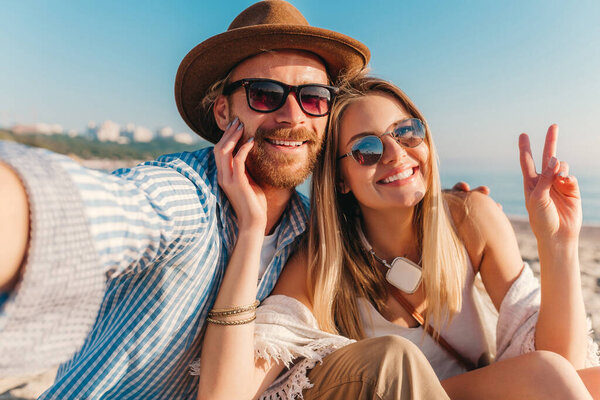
278 169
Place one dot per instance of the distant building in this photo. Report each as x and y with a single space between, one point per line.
108 131
142 134
184 137
40 128
165 132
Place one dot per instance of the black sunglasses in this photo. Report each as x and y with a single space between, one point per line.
266 95
368 150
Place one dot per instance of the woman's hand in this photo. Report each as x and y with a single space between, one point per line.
246 197
552 197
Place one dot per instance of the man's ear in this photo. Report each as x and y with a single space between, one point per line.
221 112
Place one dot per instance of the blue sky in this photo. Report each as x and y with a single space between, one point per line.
481 71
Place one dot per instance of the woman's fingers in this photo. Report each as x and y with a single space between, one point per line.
544 183
239 161
231 137
563 171
527 163
550 145
224 150
566 184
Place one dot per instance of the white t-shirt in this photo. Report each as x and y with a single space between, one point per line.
268 251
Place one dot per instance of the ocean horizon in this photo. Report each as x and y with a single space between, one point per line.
506 188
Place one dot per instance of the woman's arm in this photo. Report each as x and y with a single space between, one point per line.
494 252
554 206
227 366
490 242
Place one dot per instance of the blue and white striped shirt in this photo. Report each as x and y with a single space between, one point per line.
134 261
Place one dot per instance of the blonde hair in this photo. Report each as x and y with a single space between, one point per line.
340 270
207 104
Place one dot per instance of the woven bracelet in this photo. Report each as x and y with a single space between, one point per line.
234 322
221 312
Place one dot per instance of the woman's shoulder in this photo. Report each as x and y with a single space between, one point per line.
293 281
476 217
472 210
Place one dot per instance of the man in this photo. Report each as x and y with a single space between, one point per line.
120 271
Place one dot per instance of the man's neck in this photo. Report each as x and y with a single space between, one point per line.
277 201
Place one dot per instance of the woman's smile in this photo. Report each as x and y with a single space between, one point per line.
399 178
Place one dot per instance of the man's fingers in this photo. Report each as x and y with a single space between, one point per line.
465 187
526 159
482 189
462 187
550 145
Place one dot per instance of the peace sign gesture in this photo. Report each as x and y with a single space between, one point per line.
552 197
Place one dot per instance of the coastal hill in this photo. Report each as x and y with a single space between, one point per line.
83 148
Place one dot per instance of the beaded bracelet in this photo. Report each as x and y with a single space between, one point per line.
221 312
233 322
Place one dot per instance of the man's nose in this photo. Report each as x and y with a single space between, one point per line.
291 113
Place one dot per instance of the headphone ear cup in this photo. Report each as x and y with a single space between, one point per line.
405 275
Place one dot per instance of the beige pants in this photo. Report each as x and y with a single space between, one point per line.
388 367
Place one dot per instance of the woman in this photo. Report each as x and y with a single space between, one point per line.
387 249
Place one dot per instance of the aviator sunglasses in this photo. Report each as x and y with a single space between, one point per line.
266 95
368 150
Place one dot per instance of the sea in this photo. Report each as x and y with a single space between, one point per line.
506 188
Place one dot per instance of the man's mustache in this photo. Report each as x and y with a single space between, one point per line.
295 134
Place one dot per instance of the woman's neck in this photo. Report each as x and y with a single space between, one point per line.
391 233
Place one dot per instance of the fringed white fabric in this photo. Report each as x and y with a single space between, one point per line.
592 358
515 332
286 331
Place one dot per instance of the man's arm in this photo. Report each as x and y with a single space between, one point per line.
83 226
14 227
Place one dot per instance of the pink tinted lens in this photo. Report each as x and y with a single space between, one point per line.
265 96
315 100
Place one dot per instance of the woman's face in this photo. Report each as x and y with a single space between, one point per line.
399 178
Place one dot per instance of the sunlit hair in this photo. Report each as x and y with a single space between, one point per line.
340 269
207 104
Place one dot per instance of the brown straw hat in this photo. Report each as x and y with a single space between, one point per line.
267 25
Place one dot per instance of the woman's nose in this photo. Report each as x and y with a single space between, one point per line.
392 150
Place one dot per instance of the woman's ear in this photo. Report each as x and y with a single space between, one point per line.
221 112
342 187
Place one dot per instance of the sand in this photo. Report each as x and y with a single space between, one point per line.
20 388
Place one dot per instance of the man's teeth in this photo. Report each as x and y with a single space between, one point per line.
286 143
402 175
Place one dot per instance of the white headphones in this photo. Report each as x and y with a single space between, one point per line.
402 272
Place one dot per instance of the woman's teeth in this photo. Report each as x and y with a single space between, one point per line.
286 143
402 175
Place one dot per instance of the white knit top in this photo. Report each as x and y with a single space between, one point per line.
465 333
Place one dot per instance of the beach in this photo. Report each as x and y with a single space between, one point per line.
30 387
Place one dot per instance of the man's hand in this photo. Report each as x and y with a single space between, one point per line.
464 187
14 227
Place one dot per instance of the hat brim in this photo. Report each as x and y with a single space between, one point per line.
212 59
